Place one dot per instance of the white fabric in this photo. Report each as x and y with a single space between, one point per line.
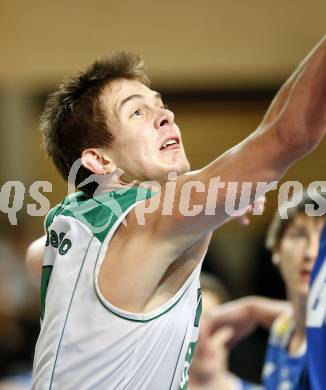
87 343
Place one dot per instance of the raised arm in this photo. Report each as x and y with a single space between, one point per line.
294 125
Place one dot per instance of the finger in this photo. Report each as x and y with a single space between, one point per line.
244 220
224 336
259 206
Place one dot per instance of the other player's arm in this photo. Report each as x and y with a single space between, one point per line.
34 258
246 314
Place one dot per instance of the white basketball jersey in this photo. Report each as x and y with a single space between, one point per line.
87 343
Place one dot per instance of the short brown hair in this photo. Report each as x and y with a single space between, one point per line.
279 225
73 118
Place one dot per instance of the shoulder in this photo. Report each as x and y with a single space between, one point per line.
34 257
279 336
281 328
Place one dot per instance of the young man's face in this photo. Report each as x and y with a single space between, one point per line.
297 252
147 142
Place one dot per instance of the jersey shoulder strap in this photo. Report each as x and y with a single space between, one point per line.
98 213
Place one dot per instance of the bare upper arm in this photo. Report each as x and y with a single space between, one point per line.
34 257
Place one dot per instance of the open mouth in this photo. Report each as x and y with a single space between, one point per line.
305 274
170 143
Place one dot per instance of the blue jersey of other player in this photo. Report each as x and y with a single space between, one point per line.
316 327
281 370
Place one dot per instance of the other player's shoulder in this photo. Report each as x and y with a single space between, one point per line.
34 257
281 329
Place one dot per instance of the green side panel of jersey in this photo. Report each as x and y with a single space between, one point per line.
191 346
199 308
46 274
186 367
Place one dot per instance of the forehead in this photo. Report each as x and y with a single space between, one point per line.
302 220
118 90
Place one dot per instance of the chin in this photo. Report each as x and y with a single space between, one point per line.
179 164
179 168
303 292
161 172
182 167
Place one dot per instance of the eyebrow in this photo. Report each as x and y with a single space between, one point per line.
157 96
298 228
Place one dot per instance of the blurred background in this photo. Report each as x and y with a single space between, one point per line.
217 63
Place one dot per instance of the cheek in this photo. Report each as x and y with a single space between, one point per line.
142 144
289 258
290 264
286 270
292 249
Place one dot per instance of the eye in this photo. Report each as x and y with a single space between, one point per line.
137 112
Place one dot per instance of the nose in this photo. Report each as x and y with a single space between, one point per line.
164 118
312 248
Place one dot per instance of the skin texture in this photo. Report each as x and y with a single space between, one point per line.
297 253
140 126
177 243
295 256
161 254
209 367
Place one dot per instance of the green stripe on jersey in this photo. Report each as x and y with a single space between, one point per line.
100 212
46 274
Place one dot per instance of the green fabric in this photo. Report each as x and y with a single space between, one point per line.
46 274
100 212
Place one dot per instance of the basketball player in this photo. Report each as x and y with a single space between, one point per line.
120 301
294 243
295 246
316 321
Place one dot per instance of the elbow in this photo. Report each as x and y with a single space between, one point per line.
295 138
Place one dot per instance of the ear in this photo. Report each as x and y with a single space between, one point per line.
97 161
276 258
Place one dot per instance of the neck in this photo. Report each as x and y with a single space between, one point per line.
198 383
221 380
299 315
299 312
111 182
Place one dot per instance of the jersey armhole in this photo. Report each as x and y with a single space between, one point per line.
131 316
